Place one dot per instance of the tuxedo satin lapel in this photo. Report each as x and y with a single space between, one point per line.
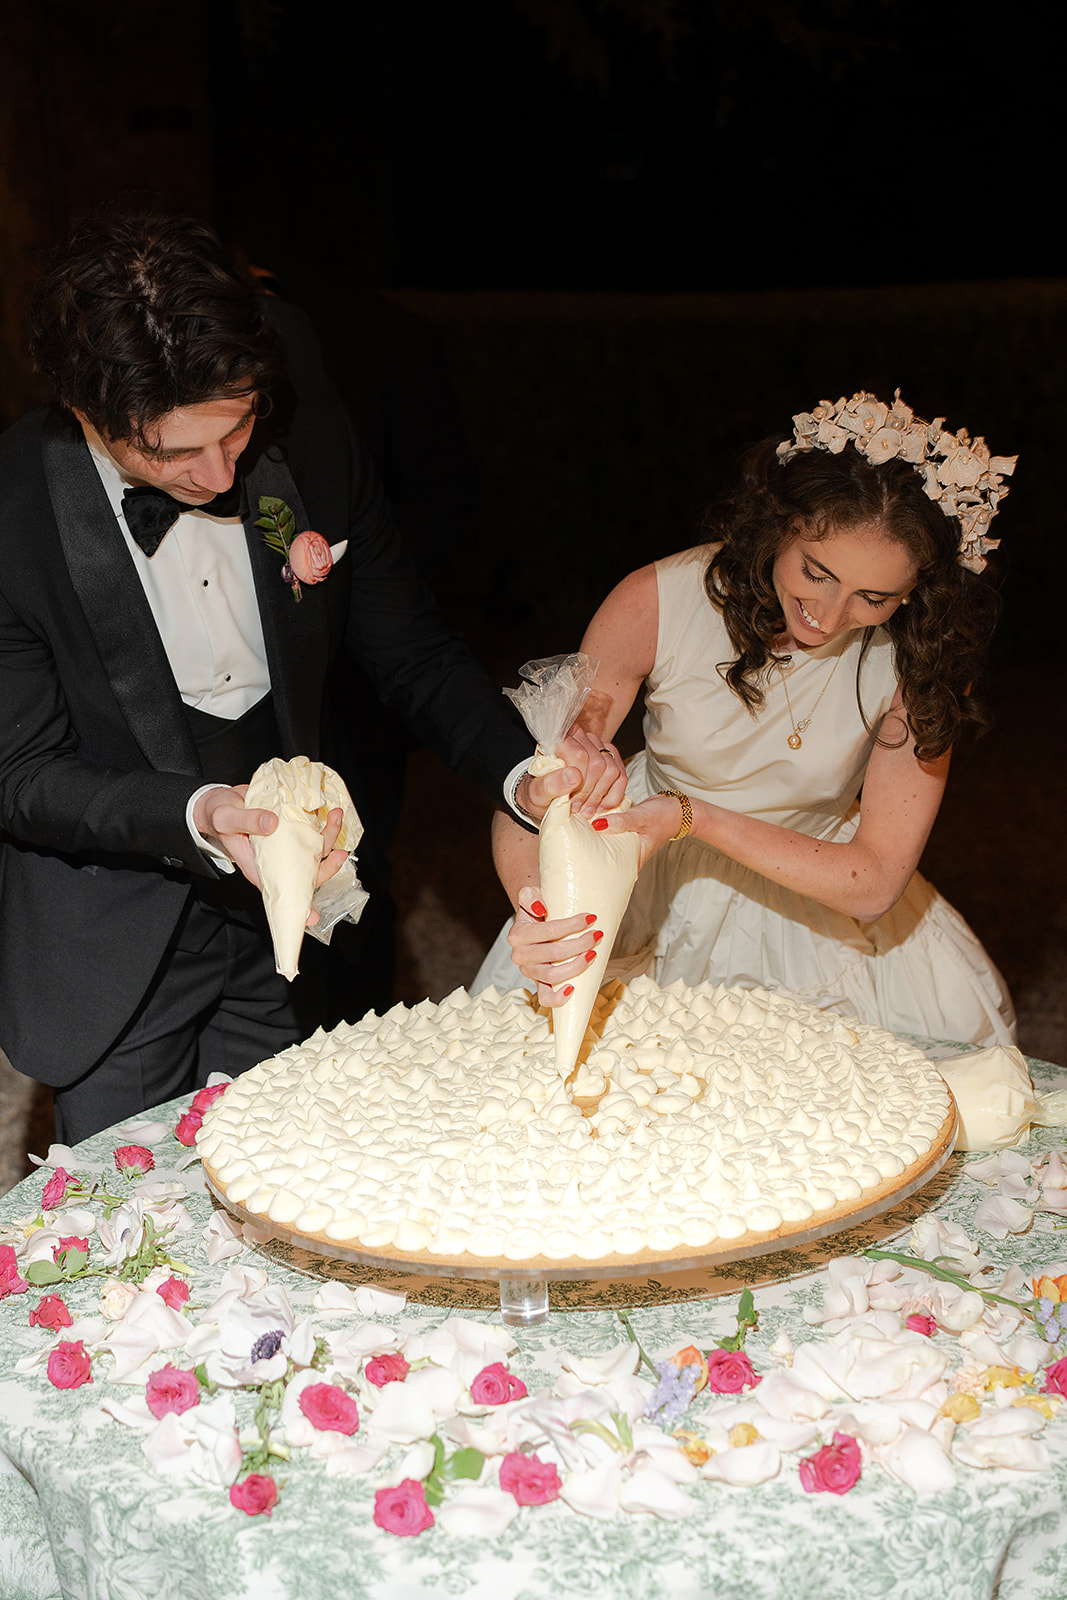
110 593
296 634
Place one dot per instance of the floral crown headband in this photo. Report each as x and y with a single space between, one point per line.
958 471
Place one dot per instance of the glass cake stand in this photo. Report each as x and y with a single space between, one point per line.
524 1290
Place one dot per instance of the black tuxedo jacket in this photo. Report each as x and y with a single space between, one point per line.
96 759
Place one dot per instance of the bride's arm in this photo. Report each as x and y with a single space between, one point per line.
622 635
865 877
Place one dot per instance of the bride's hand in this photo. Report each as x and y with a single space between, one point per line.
594 777
551 954
656 821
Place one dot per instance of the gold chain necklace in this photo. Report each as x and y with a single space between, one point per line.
795 741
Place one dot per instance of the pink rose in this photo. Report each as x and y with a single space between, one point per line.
54 1191
309 557
494 1385
133 1160
10 1282
403 1510
254 1494
70 1242
533 1482
834 1468
921 1324
1056 1378
328 1407
173 1293
51 1313
205 1098
172 1389
69 1366
381 1370
187 1127
730 1371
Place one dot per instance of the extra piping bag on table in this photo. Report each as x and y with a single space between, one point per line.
581 870
995 1098
302 793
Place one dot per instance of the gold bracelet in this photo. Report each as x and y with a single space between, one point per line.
687 811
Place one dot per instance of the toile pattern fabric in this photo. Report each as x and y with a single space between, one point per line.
697 915
82 1515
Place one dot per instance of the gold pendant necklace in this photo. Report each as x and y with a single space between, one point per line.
795 741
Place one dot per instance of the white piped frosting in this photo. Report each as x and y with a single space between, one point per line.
446 1132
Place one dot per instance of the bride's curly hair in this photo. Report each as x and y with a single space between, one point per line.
940 638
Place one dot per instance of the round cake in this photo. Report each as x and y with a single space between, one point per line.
700 1119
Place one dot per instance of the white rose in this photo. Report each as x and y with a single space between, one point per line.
117 1298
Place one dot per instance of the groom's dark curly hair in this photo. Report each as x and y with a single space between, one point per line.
140 314
941 638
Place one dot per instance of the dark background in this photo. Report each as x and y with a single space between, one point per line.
637 234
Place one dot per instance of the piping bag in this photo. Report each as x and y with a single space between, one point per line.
302 793
581 870
995 1097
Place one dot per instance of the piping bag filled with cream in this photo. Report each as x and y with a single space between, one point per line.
581 870
302 793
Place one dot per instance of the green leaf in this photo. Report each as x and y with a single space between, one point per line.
438 1454
44 1272
74 1260
434 1490
464 1464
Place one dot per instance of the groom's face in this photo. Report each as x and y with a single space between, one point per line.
192 451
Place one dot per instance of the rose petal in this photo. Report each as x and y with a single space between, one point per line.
595 1493
478 1513
650 1491
918 1460
746 1466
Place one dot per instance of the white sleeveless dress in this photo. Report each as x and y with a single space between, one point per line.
697 915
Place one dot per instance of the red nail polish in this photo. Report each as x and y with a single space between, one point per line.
538 909
568 991
598 935
600 824
590 955
590 916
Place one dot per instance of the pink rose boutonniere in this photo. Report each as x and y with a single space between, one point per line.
403 1509
835 1468
69 1366
308 557
255 1494
494 1385
133 1160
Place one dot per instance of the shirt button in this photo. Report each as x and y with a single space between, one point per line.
205 583
227 678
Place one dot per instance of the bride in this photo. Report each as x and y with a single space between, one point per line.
805 676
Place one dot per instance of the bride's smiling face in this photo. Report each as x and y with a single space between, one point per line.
853 579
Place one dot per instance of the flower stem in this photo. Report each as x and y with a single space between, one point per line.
624 1318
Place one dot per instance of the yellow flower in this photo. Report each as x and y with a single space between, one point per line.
1006 1378
1047 1404
742 1433
693 1447
961 1408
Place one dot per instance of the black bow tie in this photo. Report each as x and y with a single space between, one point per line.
151 513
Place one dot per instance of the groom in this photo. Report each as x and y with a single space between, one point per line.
152 655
